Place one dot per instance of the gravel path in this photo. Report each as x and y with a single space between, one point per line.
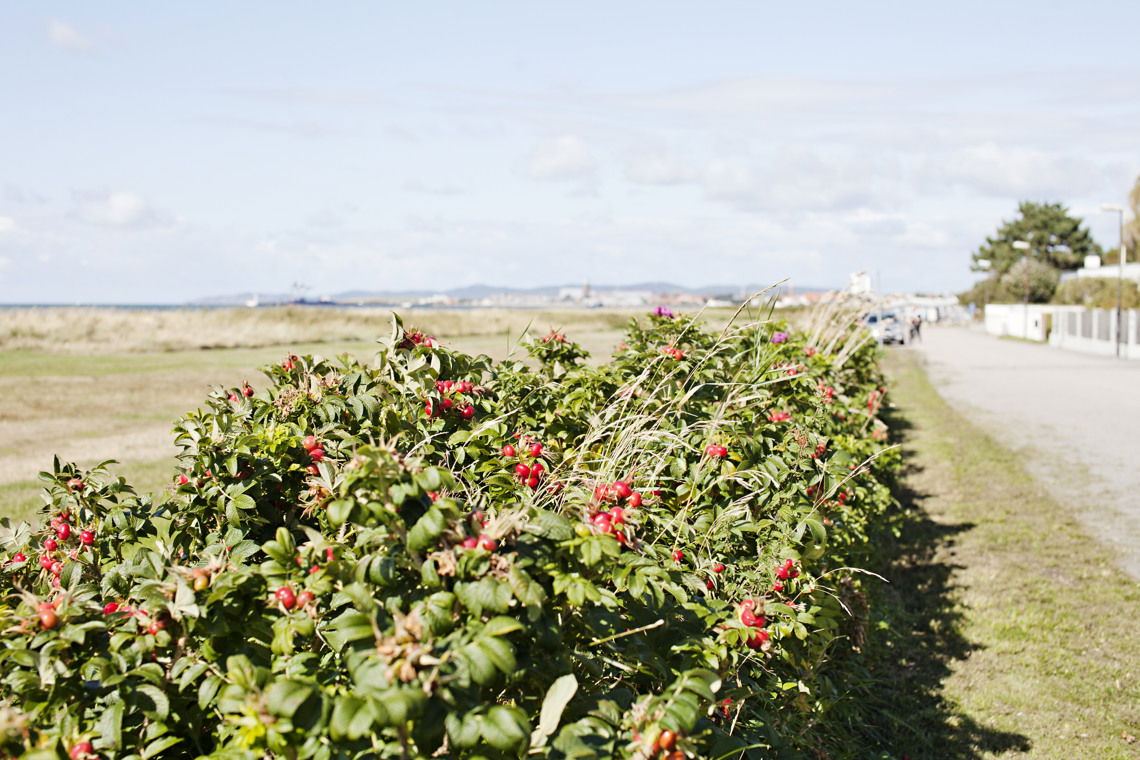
1075 419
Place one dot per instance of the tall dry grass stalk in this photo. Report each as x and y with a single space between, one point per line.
626 444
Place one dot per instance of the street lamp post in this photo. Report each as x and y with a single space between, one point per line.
1023 245
1119 275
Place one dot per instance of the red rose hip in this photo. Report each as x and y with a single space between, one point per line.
286 597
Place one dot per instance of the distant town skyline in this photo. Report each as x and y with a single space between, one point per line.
167 153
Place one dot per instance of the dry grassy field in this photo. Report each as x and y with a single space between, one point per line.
111 330
92 384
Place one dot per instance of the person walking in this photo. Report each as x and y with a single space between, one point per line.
916 328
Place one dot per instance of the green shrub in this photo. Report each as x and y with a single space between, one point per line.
432 554
1097 293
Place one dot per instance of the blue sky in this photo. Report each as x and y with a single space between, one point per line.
165 152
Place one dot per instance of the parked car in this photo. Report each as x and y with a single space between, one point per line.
887 327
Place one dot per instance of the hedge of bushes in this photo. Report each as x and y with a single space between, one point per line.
433 554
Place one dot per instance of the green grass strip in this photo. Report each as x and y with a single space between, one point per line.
1009 631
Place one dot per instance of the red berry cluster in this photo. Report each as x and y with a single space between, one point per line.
530 474
715 452
47 615
672 351
330 555
779 416
316 453
746 612
665 742
61 534
146 623
482 541
290 362
617 492
452 400
415 338
827 391
288 599
554 337
82 751
787 570
610 520
245 391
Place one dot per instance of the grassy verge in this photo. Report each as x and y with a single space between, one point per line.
1009 631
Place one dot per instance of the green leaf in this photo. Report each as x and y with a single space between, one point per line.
339 511
553 705
157 746
351 718
479 665
350 626
207 691
485 595
427 530
500 626
463 729
499 652
110 726
505 728
550 525
285 697
158 698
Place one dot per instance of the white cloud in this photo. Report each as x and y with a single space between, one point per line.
1015 171
660 169
7 224
122 209
731 181
68 37
797 178
425 188
561 158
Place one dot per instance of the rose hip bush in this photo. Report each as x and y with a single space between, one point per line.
432 554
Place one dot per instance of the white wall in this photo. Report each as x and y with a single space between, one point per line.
1093 331
1018 321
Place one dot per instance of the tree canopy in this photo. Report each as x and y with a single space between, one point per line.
1054 237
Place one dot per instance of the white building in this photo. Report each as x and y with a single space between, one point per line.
859 283
1094 268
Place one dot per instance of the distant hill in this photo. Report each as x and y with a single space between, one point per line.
477 292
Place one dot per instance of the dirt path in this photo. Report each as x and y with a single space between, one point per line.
1074 418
